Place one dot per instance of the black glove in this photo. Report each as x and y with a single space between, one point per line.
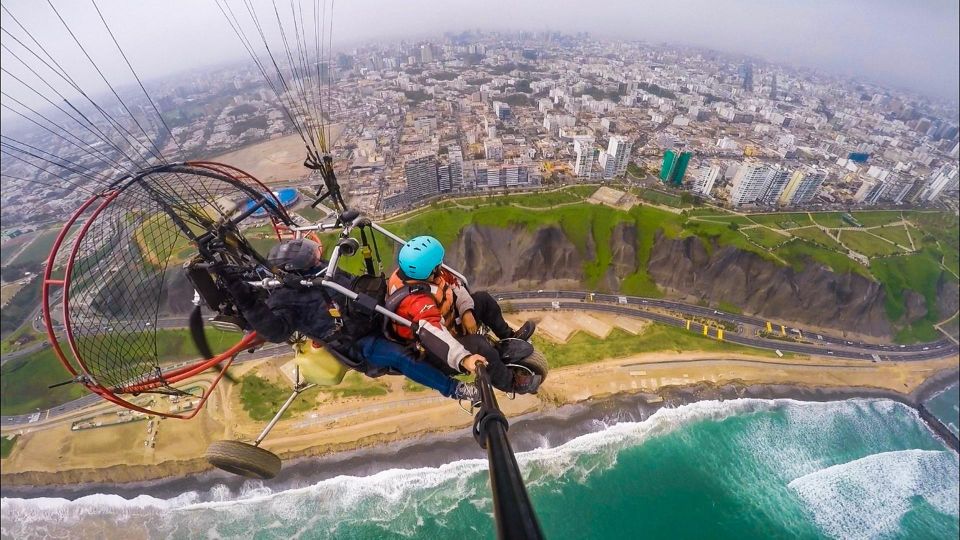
292 281
232 277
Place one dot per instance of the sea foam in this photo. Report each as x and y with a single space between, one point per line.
867 497
399 500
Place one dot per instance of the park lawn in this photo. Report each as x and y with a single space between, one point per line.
356 384
11 246
659 197
728 218
262 398
831 220
310 214
410 386
867 244
799 252
894 233
783 220
710 212
24 381
873 218
818 236
765 236
39 248
583 348
6 446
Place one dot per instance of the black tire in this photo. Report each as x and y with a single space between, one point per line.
243 459
536 363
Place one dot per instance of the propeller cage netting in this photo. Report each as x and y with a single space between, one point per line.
122 264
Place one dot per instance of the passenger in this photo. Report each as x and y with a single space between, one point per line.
422 290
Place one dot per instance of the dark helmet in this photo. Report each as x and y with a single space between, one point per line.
295 255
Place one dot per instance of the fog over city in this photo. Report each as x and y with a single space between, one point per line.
910 45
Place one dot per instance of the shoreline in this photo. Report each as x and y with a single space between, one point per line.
551 427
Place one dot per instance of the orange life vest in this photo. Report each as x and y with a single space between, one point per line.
439 288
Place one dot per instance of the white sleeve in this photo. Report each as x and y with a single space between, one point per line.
441 343
463 299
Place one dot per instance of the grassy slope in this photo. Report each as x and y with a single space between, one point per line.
6 446
262 398
583 348
24 382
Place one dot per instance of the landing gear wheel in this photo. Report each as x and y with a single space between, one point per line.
536 363
243 459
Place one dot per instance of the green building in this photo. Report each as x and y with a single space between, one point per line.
674 167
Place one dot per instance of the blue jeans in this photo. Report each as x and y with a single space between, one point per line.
382 352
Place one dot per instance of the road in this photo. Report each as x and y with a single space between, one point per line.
706 312
631 306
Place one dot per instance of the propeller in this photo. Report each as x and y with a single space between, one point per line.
199 336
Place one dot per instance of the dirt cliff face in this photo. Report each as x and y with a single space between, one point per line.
814 295
516 258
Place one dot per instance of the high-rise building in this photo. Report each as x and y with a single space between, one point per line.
746 74
619 151
776 182
869 192
422 176
502 110
896 188
750 182
803 186
706 177
455 164
586 154
946 179
493 149
674 167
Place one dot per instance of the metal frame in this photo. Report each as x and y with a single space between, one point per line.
74 363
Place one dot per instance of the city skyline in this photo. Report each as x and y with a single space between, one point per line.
849 38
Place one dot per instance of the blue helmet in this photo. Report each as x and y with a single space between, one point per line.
420 256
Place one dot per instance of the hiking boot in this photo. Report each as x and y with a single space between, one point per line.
467 391
525 332
526 383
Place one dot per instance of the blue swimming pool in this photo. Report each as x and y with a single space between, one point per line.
286 196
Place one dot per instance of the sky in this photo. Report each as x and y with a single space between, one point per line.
907 44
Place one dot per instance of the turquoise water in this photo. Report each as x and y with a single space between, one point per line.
946 407
734 469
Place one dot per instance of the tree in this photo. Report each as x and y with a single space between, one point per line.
733 226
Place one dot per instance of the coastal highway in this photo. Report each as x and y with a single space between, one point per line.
631 306
711 313
783 346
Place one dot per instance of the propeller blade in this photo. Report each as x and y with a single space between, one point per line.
198 335
200 340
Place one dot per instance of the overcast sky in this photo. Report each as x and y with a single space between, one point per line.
904 43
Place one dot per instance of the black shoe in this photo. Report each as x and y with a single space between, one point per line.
526 331
526 383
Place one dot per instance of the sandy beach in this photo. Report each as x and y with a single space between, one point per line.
367 432
276 160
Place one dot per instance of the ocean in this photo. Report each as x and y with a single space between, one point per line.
747 468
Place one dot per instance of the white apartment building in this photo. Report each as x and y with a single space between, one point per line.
706 177
586 154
